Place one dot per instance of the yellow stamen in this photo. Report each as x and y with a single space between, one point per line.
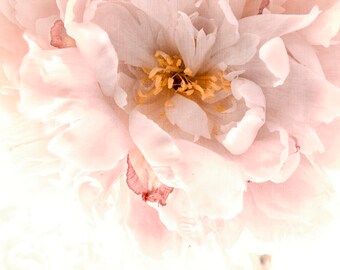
171 74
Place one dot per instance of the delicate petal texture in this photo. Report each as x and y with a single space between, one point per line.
138 29
286 100
324 28
225 181
193 47
195 122
181 125
53 82
239 136
303 52
301 199
278 161
273 53
268 26
101 57
158 148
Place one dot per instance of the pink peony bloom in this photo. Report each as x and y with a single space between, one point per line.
195 119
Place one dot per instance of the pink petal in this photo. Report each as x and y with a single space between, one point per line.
158 147
268 26
214 185
188 116
102 57
60 84
303 52
273 53
192 45
278 160
145 226
138 29
324 28
284 102
238 136
291 208
329 136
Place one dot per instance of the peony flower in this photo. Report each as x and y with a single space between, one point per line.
191 120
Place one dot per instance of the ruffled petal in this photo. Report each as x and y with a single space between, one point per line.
329 136
158 148
59 86
214 185
102 58
294 207
269 26
303 52
192 44
273 53
307 99
237 137
278 160
126 26
324 28
188 116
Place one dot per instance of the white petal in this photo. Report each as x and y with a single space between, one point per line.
192 46
158 148
102 57
188 116
278 160
303 52
273 53
59 86
268 26
324 28
214 185
238 137
126 28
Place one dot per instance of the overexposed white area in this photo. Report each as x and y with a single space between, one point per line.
42 227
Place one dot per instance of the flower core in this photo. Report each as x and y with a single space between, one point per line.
172 74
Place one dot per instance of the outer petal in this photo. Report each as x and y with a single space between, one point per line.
58 86
214 184
277 161
303 52
126 27
307 99
329 136
268 26
295 207
102 57
158 148
324 28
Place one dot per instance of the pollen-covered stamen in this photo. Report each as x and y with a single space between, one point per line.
171 74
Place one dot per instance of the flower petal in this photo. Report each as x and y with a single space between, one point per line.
268 26
59 86
273 53
324 28
126 26
158 148
303 52
188 116
238 137
277 161
293 207
214 185
192 44
102 57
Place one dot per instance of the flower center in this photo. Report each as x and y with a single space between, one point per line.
172 76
